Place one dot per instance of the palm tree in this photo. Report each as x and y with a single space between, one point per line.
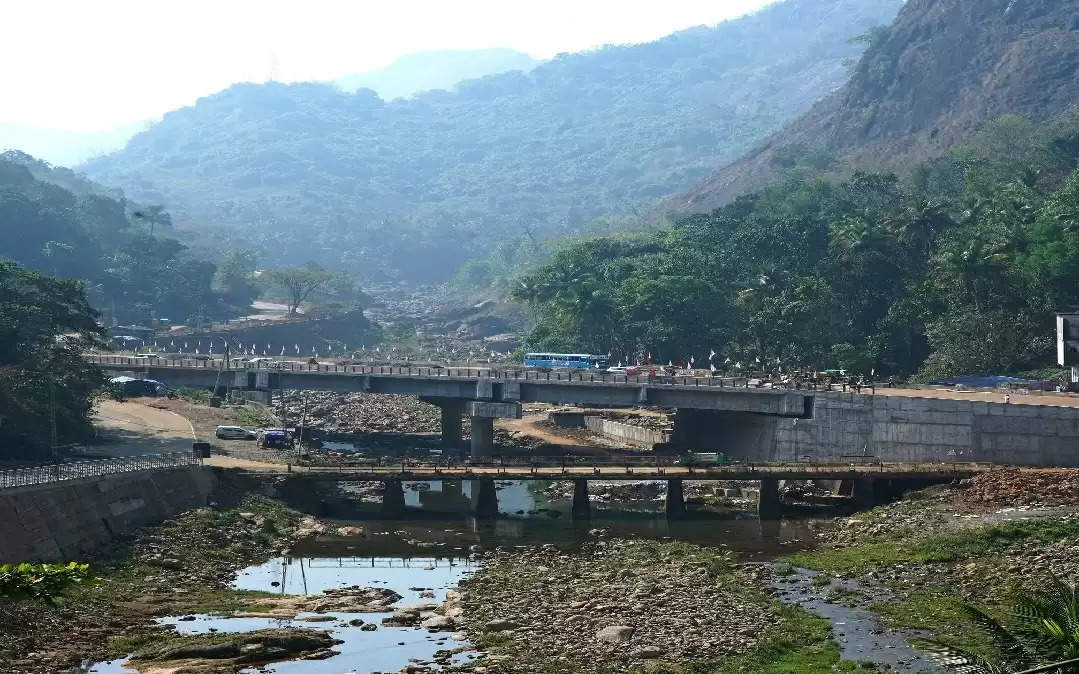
155 215
1040 634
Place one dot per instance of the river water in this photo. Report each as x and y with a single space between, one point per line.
434 548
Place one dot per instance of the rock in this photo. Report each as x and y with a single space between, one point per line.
317 619
357 622
439 623
499 625
615 634
647 652
369 627
350 531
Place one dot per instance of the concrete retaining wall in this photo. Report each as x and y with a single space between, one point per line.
67 520
637 435
896 428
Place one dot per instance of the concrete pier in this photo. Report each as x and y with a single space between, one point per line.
393 498
485 498
582 509
483 437
768 504
451 423
676 500
863 493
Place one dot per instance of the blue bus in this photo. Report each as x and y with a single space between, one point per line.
582 361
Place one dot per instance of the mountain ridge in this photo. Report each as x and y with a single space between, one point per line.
941 71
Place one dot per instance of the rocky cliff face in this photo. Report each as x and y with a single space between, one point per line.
944 68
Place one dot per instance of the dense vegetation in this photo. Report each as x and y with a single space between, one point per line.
308 172
56 222
955 270
45 325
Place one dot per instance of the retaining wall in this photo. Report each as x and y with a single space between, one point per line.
637 435
895 428
66 520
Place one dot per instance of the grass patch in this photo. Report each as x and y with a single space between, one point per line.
938 612
252 416
195 395
891 550
800 643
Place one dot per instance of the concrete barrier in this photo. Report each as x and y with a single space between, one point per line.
635 435
65 521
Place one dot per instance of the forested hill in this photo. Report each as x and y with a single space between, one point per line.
416 186
942 70
444 69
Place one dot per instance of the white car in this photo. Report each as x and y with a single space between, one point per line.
234 433
616 370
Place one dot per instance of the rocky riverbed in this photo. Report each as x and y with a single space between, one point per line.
613 605
360 412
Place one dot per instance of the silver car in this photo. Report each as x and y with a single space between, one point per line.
234 433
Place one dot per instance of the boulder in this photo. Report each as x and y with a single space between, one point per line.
439 623
499 625
615 634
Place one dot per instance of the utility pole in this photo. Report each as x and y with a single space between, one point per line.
54 444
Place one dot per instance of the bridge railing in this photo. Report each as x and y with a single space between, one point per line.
572 465
77 470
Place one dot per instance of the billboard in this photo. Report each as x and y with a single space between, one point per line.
1068 340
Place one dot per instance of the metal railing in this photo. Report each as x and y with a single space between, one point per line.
650 465
77 470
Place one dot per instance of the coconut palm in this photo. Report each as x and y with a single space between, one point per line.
1040 633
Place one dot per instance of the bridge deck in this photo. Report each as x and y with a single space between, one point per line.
932 471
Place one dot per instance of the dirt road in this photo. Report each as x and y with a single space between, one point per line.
130 429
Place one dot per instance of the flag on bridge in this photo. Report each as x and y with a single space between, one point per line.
282 349
712 354
727 362
297 349
712 366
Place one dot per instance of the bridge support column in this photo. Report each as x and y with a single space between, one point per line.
485 498
393 498
483 437
451 424
863 492
768 505
582 509
676 500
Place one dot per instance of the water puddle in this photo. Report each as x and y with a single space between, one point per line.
857 631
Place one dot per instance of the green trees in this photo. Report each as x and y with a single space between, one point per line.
45 325
299 282
955 274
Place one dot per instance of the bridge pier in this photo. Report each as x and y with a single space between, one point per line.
393 498
451 423
582 509
768 505
485 498
863 492
676 500
483 437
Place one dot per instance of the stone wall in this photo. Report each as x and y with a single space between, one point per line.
67 520
894 428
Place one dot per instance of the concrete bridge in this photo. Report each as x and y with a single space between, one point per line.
482 394
867 483
712 413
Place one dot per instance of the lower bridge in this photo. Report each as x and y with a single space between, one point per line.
866 483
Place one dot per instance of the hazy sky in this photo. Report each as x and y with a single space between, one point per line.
92 64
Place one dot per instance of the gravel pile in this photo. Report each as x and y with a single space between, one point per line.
1025 487
617 604
361 412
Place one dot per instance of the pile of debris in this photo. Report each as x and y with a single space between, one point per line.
1016 486
359 412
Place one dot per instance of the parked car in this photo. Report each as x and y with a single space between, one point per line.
274 438
616 370
234 433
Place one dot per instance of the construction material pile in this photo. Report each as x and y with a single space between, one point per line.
1025 487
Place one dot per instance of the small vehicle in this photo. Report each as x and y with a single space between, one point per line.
234 433
617 370
263 362
274 438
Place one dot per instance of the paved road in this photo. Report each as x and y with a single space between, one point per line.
131 429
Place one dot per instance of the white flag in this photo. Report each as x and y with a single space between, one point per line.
712 354
267 346
758 359
330 347
691 361
197 350
670 363
297 349
712 366
282 349
738 365
727 362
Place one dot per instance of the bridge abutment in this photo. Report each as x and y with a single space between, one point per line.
768 504
485 498
676 500
582 509
451 423
393 498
